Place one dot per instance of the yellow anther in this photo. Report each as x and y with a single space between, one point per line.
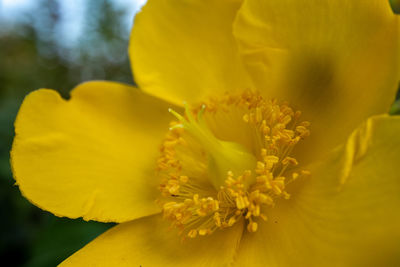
305 123
265 199
256 210
263 152
203 231
260 166
264 217
196 198
303 131
240 203
192 233
290 160
276 190
248 215
217 219
286 119
252 227
271 159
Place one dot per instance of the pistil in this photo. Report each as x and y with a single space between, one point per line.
224 156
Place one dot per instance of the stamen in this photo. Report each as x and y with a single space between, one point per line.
209 182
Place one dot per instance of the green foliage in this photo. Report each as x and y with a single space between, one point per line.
395 6
52 244
395 108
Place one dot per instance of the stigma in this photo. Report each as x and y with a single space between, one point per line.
228 160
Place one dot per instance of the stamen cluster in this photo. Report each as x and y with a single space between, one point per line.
197 208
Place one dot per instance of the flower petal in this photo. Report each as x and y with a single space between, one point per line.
345 214
150 242
184 50
338 61
93 155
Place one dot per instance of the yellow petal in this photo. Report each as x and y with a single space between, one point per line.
92 156
150 242
335 60
345 214
184 50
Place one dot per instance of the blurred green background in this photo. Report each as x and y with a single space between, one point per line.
52 44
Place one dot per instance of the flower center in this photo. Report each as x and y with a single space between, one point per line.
228 160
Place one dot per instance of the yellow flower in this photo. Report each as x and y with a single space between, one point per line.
238 182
